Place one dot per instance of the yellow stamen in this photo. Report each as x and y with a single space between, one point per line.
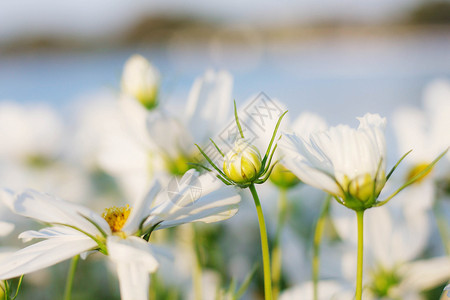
116 217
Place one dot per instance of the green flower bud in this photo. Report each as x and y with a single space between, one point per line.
179 165
243 163
282 177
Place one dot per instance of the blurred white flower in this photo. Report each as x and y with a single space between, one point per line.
347 163
33 152
122 232
104 141
425 130
140 81
327 289
395 238
30 133
206 114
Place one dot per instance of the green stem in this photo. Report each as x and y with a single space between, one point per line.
264 245
276 252
70 277
359 268
197 269
318 232
442 226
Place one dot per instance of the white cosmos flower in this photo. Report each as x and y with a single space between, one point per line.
120 232
342 161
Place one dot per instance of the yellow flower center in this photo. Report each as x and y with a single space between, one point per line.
116 217
416 170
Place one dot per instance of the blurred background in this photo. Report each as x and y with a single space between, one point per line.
339 59
322 56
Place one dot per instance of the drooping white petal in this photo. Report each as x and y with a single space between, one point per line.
44 254
50 209
134 262
210 201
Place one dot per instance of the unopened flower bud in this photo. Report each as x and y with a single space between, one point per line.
243 163
283 178
140 80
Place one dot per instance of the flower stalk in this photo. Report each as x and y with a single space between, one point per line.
276 251
264 244
70 277
359 267
318 233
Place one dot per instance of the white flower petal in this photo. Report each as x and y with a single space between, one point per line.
134 261
426 274
209 104
44 254
6 228
215 203
48 232
50 209
307 123
308 164
327 289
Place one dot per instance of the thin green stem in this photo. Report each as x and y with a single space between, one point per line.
70 277
264 245
318 233
197 268
276 252
359 268
442 226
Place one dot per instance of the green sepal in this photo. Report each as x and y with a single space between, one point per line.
413 179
